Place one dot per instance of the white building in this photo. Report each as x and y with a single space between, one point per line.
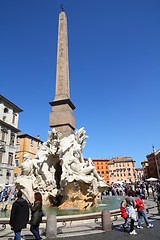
9 114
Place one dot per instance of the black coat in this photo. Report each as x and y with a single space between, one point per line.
19 214
36 213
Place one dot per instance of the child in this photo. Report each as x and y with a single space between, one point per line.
141 212
124 214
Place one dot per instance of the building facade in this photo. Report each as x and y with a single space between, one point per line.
145 169
154 164
101 166
122 169
139 175
9 115
26 144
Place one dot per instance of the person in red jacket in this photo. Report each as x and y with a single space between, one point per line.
141 212
124 214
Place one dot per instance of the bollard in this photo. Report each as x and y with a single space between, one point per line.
106 221
51 227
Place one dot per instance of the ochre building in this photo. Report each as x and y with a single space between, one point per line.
26 144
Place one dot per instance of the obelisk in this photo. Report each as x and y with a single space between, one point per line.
61 116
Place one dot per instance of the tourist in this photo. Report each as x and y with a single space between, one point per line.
130 209
19 215
36 215
124 214
141 212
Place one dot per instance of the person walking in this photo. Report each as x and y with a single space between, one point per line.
141 212
130 209
124 214
36 215
19 215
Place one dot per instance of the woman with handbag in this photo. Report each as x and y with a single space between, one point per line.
36 215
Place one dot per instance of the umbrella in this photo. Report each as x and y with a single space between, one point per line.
118 182
151 179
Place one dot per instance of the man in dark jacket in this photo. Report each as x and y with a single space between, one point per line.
19 215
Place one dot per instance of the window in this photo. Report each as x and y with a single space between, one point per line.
10 159
4 131
12 139
8 174
3 136
14 117
17 147
31 141
17 162
6 110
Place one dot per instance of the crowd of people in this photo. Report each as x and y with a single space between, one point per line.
146 188
132 206
7 193
128 211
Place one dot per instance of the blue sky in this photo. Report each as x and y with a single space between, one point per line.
114 61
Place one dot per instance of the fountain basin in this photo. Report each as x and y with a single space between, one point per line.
108 202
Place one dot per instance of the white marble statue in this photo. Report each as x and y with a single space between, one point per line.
60 172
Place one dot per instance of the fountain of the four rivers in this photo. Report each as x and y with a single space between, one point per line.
59 170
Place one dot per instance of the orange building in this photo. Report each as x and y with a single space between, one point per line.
26 144
101 166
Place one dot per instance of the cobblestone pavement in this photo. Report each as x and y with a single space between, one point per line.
89 230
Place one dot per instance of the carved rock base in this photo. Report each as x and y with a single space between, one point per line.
78 195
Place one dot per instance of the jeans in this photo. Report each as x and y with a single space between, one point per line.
17 235
35 230
142 214
132 225
126 223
